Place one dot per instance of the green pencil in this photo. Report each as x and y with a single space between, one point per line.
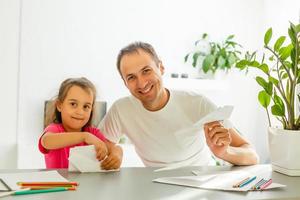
56 189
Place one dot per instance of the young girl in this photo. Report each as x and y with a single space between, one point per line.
70 125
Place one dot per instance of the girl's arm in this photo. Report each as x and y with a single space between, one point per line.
52 141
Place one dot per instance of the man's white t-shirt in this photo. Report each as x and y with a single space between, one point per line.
166 137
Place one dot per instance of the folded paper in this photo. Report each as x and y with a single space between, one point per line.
83 159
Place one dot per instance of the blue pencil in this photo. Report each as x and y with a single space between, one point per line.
260 184
247 182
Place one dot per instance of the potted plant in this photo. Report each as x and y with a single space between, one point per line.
279 95
211 56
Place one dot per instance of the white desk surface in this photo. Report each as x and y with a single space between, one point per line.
136 183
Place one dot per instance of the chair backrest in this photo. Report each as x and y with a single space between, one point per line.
99 111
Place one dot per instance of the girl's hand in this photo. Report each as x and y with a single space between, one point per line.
217 138
100 147
101 150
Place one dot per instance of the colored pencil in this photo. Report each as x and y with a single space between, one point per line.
35 187
27 191
266 184
241 182
56 189
47 183
247 182
259 183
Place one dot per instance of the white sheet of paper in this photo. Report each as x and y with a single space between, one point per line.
83 159
223 180
221 114
11 179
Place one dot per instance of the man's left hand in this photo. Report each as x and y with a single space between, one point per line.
113 159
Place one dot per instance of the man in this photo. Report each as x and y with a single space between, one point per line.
160 122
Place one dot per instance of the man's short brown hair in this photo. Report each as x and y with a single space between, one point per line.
133 48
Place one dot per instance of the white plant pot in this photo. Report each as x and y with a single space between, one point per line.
284 148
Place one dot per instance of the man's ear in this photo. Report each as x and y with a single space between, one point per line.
161 67
124 81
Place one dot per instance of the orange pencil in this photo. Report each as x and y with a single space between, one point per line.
47 187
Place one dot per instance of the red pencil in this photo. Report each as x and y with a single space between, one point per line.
48 183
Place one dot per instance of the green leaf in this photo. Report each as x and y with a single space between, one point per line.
292 35
231 59
278 101
264 98
277 110
263 58
195 59
233 44
264 67
273 80
242 64
297 28
268 86
196 43
223 52
261 82
286 52
254 64
204 35
293 56
268 36
186 58
230 37
208 62
287 63
271 58
221 61
284 76
279 42
253 56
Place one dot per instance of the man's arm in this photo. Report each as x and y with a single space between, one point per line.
114 156
228 145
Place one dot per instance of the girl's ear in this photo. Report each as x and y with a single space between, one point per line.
58 105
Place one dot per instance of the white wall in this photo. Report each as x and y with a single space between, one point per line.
61 38
82 38
280 14
9 46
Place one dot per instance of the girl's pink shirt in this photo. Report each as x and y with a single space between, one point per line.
58 158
